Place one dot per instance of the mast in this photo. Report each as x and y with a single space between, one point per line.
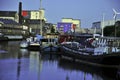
102 25
41 17
94 32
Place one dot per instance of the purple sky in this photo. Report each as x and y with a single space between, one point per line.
88 11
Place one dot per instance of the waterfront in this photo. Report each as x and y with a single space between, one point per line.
22 64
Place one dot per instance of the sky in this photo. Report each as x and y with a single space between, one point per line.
88 11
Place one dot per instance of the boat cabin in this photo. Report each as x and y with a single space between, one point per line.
108 41
107 45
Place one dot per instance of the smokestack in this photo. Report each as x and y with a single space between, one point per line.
20 12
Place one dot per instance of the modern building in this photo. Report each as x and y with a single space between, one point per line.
11 29
100 24
34 26
63 27
76 24
34 19
34 14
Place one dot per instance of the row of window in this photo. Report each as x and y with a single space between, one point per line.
12 26
11 32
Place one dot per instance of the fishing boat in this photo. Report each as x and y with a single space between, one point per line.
106 52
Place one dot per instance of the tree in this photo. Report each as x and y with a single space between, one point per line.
110 30
117 24
52 29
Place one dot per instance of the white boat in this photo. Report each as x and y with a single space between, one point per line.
24 44
31 43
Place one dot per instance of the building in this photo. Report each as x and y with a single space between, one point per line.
10 26
9 15
11 29
34 14
63 27
34 19
100 24
107 23
76 24
96 27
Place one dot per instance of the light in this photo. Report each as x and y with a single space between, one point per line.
25 27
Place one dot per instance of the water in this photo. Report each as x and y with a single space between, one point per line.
22 64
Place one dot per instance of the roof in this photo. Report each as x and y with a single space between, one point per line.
8 13
8 21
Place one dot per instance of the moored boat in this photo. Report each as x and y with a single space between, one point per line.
107 55
49 45
31 43
24 44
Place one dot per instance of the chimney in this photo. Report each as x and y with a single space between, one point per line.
20 12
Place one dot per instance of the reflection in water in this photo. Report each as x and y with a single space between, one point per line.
91 72
22 64
67 77
24 51
19 65
35 64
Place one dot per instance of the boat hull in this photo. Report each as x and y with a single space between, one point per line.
49 48
104 60
34 46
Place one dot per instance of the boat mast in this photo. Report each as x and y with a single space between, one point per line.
41 17
94 32
103 25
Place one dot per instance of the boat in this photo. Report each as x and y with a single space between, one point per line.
23 44
106 52
49 45
3 38
40 44
31 43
